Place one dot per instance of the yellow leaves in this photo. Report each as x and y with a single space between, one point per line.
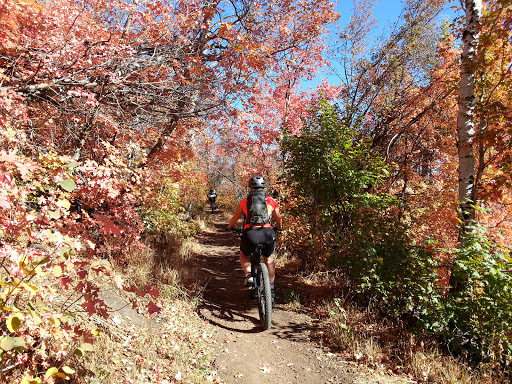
39 271
53 215
101 264
29 287
8 343
85 347
63 373
54 371
53 236
50 372
55 321
64 203
66 252
57 271
35 380
68 370
32 312
14 322
15 286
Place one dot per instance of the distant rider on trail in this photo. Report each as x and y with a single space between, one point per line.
212 195
257 210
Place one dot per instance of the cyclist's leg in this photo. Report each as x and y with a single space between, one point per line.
268 250
245 263
271 268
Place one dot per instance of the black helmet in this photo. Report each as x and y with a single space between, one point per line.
257 182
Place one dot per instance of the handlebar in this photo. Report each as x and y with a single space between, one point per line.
239 230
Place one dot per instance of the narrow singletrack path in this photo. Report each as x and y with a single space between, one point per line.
245 352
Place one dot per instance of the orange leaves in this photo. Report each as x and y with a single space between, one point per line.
15 14
205 56
224 31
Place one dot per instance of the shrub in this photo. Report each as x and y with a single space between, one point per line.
479 311
384 268
162 211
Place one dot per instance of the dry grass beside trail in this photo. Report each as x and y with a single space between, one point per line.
137 347
169 347
133 345
363 337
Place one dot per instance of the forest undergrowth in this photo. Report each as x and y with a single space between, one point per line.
173 345
141 339
168 346
363 335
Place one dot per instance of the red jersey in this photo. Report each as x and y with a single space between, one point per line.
271 206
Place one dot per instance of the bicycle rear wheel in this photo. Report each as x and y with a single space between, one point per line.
264 296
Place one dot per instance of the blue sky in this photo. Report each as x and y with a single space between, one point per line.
386 12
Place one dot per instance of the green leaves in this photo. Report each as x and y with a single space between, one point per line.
337 176
329 163
68 185
479 305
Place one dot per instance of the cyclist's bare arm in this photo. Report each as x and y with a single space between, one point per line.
238 214
278 218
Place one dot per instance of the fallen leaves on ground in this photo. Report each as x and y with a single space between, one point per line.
171 347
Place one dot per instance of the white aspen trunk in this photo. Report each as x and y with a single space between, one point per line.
466 116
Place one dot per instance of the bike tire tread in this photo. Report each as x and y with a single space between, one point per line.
265 297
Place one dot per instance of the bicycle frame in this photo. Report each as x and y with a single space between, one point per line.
261 285
255 259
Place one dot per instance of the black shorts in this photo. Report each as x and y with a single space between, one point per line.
253 236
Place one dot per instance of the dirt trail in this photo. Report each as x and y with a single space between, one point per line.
246 354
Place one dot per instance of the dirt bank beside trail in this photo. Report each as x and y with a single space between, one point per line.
245 353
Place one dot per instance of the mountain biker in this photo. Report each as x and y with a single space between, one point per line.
255 234
212 195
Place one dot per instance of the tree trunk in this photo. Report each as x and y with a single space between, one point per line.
466 116
466 129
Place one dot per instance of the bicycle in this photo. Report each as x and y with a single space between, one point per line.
261 285
213 205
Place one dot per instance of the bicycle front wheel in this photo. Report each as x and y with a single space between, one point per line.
264 296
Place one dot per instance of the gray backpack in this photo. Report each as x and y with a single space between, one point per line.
257 213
